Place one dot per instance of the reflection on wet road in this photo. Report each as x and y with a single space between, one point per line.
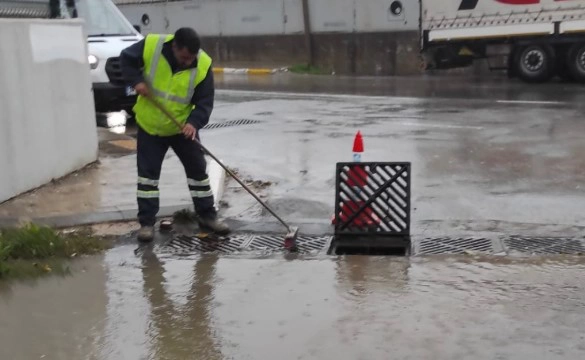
210 307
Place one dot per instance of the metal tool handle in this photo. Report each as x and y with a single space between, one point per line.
170 116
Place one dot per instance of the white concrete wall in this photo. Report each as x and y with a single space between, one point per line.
375 15
47 119
271 17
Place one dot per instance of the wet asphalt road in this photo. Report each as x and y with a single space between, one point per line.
458 87
488 155
488 158
502 164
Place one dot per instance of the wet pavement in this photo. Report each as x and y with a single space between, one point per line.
493 87
491 156
105 190
126 306
477 164
489 160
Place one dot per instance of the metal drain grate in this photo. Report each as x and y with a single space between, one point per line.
230 123
275 242
266 242
15 12
187 245
190 244
544 245
444 245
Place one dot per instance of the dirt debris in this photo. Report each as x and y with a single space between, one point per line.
259 184
249 181
184 216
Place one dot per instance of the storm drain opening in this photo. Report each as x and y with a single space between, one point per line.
230 123
369 251
369 246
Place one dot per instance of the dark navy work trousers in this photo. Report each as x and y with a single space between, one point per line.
151 151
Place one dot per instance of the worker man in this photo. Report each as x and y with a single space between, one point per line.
176 72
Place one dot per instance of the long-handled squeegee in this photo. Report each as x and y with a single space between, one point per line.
290 239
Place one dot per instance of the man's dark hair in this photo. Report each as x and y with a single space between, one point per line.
188 38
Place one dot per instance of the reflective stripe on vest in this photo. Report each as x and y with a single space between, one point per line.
174 91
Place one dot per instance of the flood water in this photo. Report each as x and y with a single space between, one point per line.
127 306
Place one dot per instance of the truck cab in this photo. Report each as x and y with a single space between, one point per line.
108 33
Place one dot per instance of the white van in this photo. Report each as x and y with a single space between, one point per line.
109 32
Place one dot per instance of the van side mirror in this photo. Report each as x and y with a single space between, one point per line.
137 27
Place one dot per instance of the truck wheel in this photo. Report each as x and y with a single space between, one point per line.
535 63
576 62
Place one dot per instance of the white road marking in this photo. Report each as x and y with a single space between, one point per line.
412 100
284 95
530 102
440 126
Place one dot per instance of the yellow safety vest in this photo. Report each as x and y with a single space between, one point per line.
174 92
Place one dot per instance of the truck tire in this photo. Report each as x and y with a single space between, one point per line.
535 63
576 62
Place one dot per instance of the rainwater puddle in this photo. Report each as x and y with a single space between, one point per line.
124 306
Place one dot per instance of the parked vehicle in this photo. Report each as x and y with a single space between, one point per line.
108 33
539 39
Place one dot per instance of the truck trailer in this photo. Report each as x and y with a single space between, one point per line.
534 40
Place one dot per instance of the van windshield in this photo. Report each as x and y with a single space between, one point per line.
102 18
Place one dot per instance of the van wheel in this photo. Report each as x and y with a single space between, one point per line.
576 62
131 116
535 63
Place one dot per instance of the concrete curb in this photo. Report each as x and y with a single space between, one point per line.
103 216
247 71
307 227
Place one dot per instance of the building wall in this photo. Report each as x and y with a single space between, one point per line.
362 16
46 105
349 36
359 53
272 17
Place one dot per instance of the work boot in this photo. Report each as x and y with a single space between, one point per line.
212 224
146 234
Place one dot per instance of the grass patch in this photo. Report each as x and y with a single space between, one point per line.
33 250
308 69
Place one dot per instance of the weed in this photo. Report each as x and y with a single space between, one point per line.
33 249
